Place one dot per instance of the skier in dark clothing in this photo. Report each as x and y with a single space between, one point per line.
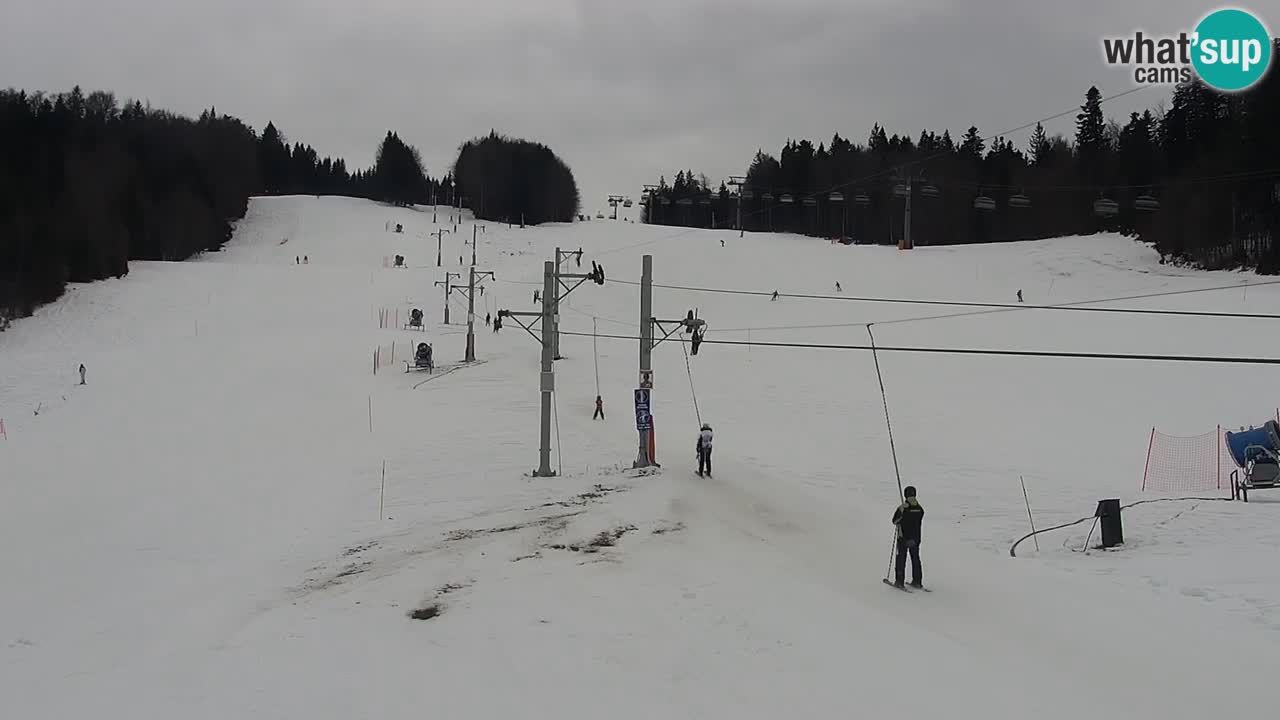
599 413
908 518
488 319
704 451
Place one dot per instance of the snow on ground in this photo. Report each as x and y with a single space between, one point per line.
196 533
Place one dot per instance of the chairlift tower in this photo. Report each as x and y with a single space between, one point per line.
740 182
614 202
651 192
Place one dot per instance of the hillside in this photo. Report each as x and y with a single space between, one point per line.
196 532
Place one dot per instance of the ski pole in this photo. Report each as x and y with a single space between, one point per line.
892 546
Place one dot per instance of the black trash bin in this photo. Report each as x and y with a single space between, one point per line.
1108 514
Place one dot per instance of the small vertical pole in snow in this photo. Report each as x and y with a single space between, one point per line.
370 413
1218 455
382 495
1147 468
1029 518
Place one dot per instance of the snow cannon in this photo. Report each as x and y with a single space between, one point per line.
422 359
1256 452
1246 445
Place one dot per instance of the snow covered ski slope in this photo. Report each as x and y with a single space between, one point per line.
205 529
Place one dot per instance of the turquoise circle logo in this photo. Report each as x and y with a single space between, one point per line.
1232 50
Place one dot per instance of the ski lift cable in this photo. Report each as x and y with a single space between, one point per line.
593 316
1206 180
1076 306
928 350
885 398
692 392
889 171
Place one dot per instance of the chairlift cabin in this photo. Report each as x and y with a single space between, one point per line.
901 190
1146 203
786 199
747 194
767 197
862 199
1105 207
704 201
665 200
1019 201
836 197
810 201
930 191
984 203
684 201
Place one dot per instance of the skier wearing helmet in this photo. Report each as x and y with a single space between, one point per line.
908 518
704 450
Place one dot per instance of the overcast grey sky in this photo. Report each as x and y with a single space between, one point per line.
623 91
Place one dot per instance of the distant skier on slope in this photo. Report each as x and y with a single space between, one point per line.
82 371
599 413
838 288
775 294
908 518
704 450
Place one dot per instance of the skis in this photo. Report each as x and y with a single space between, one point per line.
904 588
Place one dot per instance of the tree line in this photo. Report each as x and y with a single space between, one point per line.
515 181
1199 179
88 184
